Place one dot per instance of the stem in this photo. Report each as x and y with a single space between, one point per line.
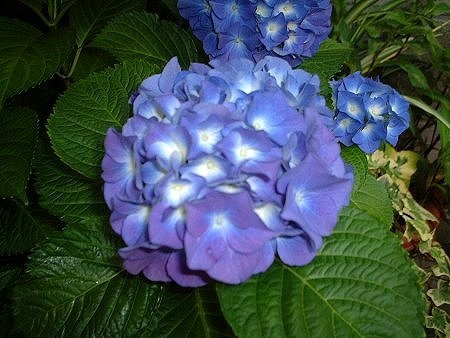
75 61
54 10
387 54
356 11
435 29
73 66
63 11
376 56
37 12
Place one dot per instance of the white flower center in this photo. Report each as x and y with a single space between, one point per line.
292 26
299 197
204 137
272 27
211 165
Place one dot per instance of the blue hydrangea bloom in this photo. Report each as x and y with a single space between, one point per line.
222 168
368 112
290 29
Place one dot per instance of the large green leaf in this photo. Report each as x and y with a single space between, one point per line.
88 17
357 159
374 199
18 132
327 62
83 114
9 274
92 60
21 228
29 57
360 285
186 313
65 193
142 35
76 287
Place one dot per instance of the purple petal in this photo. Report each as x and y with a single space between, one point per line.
166 226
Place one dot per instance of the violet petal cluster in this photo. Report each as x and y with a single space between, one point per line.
368 112
289 29
220 169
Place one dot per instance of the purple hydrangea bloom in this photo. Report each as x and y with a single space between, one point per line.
229 29
368 112
222 168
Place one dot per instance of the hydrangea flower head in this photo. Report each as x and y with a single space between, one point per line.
368 112
220 169
289 29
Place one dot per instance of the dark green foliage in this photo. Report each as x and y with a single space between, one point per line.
86 111
29 56
18 133
163 40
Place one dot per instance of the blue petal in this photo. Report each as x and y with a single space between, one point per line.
369 138
174 191
273 31
376 107
352 105
205 132
150 261
243 145
169 144
269 111
314 196
211 168
295 251
166 226
345 128
178 270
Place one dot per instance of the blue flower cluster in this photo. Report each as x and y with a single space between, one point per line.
368 112
253 29
221 168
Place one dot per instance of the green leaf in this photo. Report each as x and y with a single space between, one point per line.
9 274
189 313
440 295
18 132
28 56
373 198
89 17
444 133
21 228
440 9
78 126
65 193
358 160
439 320
92 60
360 285
77 287
33 3
144 36
441 115
415 75
327 62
